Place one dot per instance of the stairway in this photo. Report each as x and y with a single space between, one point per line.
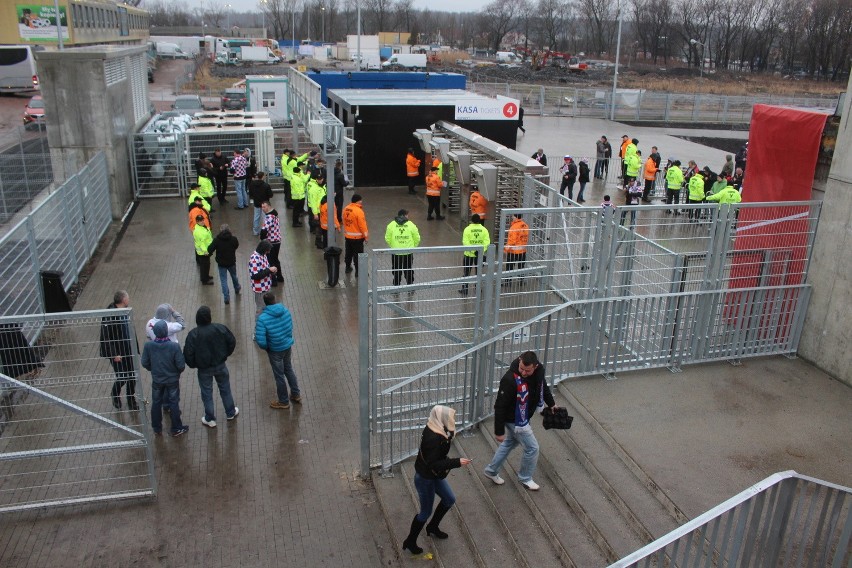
595 504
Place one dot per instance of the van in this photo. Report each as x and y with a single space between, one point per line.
406 61
170 50
18 69
506 57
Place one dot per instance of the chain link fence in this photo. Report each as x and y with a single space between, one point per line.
636 104
25 169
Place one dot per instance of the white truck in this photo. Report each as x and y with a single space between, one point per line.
170 50
411 61
252 54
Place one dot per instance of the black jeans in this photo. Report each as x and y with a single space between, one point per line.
649 187
221 187
672 196
353 248
434 205
124 375
275 261
402 264
298 205
515 260
470 265
203 262
411 182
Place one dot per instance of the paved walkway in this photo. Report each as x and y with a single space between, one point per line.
276 488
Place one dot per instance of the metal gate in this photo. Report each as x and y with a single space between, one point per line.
61 440
602 291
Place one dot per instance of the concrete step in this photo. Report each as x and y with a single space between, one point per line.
398 511
528 516
648 510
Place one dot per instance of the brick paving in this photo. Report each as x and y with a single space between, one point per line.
269 488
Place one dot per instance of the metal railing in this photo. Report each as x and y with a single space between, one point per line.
25 169
785 520
60 234
636 104
599 292
63 442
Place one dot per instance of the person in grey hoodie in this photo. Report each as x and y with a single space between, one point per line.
165 361
207 348
273 332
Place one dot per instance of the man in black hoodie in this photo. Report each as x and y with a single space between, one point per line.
207 348
225 246
259 191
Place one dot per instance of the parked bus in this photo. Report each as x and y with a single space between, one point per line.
18 69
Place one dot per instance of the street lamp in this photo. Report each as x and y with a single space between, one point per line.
701 67
615 74
322 9
228 16
263 13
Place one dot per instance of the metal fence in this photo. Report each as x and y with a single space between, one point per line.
785 520
637 104
599 292
25 169
60 234
63 442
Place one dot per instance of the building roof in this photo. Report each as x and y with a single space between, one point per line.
406 97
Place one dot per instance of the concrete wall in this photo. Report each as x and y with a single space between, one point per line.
85 116
828 326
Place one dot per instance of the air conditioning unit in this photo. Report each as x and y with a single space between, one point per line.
317 131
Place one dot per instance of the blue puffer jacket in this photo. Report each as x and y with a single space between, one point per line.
274 328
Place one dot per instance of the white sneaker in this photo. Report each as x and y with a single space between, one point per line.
495 478
531 485
208 423
236 411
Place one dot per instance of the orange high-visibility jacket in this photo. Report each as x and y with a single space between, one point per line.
412 165
650 169
478 204
433 184
517 237
323 218
198 211
624 145
355 222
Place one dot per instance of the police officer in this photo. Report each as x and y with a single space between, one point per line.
474 234
402 234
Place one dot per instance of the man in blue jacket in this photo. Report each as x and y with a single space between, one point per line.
274 333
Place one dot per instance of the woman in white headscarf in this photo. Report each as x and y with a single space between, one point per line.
432 467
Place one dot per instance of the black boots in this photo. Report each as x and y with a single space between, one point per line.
410 543
131 402
432 528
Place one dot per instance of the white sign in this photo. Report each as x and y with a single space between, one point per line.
503 108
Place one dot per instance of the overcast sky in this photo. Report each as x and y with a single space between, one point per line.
436 5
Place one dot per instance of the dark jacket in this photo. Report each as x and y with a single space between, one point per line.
432 461
115 336
164 359
339 183
209 344
220 165
225 246
584 172
251 168
504 405
259 191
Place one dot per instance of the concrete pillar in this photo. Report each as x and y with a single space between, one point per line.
94 98
828 325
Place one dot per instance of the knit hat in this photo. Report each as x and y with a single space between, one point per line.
164 311
161 329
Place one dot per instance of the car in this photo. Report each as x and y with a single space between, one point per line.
188 104
233 99
34 113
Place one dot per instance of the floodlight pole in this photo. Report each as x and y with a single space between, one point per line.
615 75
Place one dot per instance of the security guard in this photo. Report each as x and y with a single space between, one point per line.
202 237
355 232
474 234
517 238
298 181
727 195
478 204
696 194
402 234
316 190
434 185
674 181
205 187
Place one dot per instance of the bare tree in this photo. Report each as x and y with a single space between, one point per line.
600 15
497 19
552 16
379 13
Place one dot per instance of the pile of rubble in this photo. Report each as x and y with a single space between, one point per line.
543 76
